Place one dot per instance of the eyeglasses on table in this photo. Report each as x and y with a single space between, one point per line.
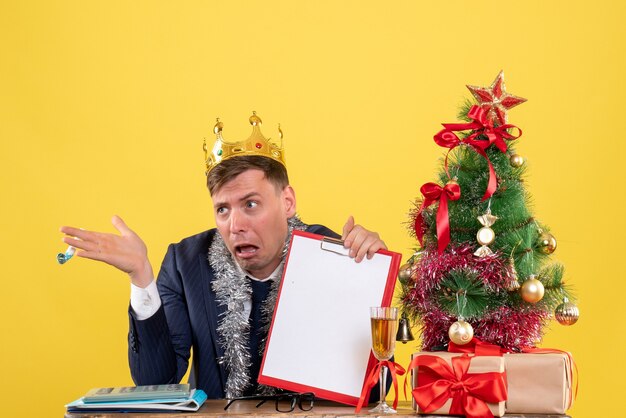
285 402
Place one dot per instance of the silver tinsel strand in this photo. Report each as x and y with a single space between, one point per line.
232 290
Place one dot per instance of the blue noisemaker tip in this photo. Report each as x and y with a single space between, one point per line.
63 258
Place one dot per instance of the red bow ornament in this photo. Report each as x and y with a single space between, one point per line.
470 392
432 193
480 125
372 379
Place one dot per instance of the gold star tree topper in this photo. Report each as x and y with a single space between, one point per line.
495 100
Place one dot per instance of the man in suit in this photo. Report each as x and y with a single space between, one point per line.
216 290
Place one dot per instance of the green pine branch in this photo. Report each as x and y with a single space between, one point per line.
463 294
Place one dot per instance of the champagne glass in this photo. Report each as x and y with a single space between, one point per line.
384 322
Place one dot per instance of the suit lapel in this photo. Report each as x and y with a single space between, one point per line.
213 311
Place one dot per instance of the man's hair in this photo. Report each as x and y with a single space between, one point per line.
225 171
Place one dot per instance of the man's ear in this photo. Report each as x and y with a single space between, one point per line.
289 200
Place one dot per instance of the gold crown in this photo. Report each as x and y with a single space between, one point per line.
256 144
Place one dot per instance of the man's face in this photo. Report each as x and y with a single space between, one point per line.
251 216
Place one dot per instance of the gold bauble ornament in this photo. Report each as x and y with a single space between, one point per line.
532 290
405 272
566 313
461 332
516 160
546 243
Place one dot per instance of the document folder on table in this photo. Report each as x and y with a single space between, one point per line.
191 402
320 337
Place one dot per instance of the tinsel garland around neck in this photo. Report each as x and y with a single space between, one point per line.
232 289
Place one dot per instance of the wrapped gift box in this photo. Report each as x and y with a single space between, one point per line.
538 383
478 365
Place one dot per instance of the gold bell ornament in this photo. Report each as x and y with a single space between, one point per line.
566 313
532 290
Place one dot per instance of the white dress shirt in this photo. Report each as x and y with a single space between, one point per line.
146 301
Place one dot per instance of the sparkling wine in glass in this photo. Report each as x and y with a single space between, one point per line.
384 322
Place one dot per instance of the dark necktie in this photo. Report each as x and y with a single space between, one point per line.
260 290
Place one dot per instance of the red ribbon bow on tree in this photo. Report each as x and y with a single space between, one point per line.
481 125
372 379
433 192
470 393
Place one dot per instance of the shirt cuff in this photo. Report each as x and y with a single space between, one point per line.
144 301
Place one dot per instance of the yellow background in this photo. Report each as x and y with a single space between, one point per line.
104 105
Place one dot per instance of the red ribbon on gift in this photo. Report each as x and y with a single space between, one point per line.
433 192
373 377
478 347
470 393
481 348
481 125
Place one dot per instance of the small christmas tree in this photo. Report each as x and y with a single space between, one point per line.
483 267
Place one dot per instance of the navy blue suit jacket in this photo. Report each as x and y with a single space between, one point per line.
159 347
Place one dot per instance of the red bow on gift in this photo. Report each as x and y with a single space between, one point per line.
470 393
481 348
372 379
481 125
433 192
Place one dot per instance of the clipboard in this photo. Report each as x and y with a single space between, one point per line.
320 338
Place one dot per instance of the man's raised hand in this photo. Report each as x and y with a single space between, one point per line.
126 251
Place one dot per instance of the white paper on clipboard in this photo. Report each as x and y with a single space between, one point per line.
320 338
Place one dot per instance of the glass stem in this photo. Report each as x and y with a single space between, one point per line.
383 385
